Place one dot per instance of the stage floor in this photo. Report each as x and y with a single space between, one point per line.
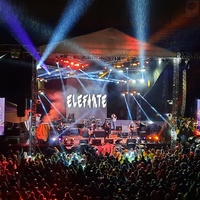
71 142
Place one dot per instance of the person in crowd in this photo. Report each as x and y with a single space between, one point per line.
143 172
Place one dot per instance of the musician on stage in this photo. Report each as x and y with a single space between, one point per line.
113 121
133 129
91 130
106 127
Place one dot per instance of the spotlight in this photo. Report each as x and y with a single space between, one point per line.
156 138
41 92
170 102
65 140
54 139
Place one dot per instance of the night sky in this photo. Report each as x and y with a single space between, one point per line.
168 28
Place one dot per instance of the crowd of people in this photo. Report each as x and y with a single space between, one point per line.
109 172
139 173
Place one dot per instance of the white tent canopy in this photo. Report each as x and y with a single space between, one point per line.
107 42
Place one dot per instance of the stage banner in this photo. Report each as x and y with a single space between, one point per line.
86 100
42 131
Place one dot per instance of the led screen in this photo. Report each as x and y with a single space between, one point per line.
2 115
86 99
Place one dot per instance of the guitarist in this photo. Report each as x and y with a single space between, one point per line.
106 127
91 130
132 129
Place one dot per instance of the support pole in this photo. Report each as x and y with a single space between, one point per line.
33 108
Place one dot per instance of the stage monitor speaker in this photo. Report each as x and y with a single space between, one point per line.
85 134
131 146
96 142
119 128
100 133
74 131
111 141
130 141
124 134
83 142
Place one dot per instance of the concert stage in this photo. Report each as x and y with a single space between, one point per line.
77 142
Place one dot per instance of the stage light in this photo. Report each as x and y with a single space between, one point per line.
142 80
41 92
170 102
65 140
72 141
156 138
54 139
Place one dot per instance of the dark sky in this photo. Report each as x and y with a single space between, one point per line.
168 26
39 18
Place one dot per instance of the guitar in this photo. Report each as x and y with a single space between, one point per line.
91 129
133 127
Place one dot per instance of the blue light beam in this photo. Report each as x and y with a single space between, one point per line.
139 14
128 109
141 108
72 13
14 26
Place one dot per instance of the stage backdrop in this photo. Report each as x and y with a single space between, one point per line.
86 99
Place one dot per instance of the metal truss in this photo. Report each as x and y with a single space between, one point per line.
175 92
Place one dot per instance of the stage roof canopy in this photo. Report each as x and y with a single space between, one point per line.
100 50
108 42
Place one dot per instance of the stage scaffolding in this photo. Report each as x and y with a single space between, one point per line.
33 105
175 92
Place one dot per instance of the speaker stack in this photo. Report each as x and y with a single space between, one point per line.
131 143
96 142
111 141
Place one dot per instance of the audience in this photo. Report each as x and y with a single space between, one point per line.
138 173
